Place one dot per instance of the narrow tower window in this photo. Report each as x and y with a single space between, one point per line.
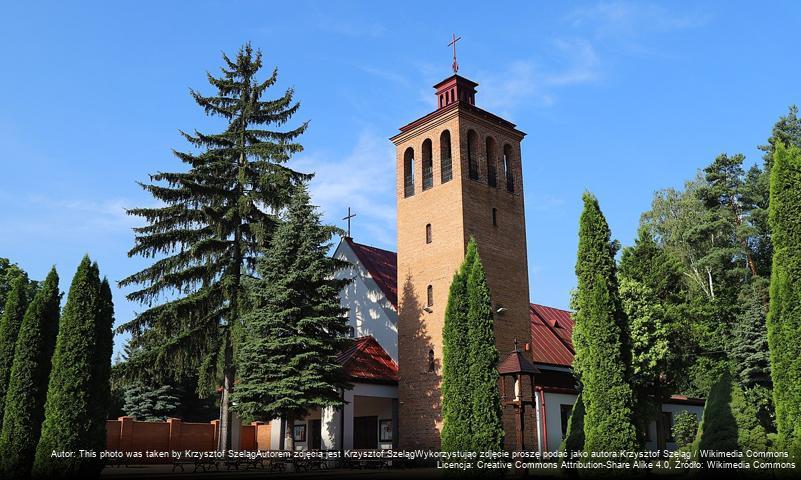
507 168
494 217
472 161
491 163
445 162
428 165
428 233
430 296
408 172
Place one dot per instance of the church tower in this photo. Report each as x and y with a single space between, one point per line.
459 175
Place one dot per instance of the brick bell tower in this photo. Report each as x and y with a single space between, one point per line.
458 175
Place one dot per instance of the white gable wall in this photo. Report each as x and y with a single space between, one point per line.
369 311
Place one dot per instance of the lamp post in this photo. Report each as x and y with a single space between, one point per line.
517 366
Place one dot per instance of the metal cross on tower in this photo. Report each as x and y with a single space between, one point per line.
455 63
348 217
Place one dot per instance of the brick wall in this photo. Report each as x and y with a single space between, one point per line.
456 210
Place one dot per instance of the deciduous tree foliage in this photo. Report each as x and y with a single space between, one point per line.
784 318
77 395
456 392
215 220
27 391
287 359
10 323
601 340
685 428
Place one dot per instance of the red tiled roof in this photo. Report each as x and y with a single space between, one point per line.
551 331
382 266
366 360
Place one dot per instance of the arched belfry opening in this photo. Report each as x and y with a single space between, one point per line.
408 172
428 165
508 174
492 168
445 157
472 154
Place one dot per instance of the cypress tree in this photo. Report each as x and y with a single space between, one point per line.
217 218
601 339
487 423
74 394
287 357
729 422
574 436
10 323
456 392
27 389
784 318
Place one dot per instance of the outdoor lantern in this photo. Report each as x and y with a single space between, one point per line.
517 367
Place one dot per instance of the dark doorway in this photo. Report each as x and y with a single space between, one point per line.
315 434
365 432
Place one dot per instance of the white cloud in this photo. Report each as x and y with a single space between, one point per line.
619 18
364 180
41 214
535 82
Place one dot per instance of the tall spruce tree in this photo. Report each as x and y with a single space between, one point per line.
76 396
287 356
601 339
10 323
27 389
216 219
784 317
486 419
456 391
749 353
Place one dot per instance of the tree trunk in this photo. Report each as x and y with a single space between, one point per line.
225 402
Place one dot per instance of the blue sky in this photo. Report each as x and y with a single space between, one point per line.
621 98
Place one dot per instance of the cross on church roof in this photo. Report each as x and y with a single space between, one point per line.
455 63
348 217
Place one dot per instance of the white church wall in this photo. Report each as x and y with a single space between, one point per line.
369 311
553 419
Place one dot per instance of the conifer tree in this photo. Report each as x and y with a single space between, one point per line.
486 421
75 397
456 391
25 400
151 403
784 324
574 436
287 357
601 339
216 218
10 323
729 422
